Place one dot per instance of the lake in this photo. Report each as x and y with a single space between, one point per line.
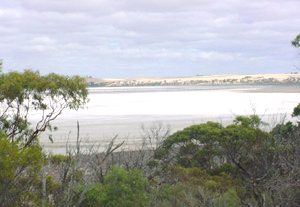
123 110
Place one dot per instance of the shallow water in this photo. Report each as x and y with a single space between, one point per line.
123 110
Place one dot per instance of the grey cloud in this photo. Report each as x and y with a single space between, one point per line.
149 37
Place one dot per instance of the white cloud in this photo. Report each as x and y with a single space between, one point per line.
43 41
10 13
215 56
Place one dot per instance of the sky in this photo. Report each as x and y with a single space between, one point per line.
148 38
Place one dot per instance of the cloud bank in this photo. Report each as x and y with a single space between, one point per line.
126 38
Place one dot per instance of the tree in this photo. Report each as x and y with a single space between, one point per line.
195 146
241 150
284 181
22 94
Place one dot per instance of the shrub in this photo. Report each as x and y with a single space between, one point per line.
19 173
121 188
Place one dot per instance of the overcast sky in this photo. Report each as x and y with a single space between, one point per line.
130 38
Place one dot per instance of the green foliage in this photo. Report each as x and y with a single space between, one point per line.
283 132
241 150
19 87
21 96
247 149
93 195
195 187
199 177
252 121
189 144
19 173
213 147
178 194
125 188
296 111
120 188
23 93
51 185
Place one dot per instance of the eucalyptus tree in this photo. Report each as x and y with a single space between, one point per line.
23 95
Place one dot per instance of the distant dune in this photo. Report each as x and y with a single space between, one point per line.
290 78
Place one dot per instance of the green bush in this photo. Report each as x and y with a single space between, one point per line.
121 188
19 173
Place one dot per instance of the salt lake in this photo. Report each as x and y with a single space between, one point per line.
123 111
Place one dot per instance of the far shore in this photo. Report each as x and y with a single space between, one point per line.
198 80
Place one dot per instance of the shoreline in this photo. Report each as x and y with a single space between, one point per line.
198 80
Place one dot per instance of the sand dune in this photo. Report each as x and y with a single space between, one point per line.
215 79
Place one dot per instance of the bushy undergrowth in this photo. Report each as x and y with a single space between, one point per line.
202 165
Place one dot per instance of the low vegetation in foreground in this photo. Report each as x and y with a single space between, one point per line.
203 165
